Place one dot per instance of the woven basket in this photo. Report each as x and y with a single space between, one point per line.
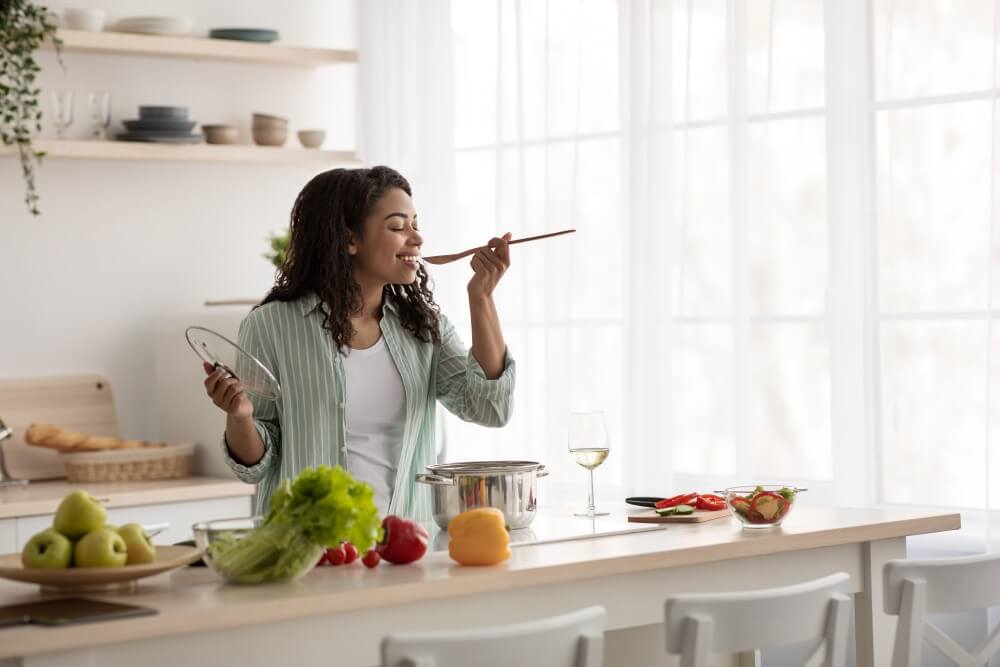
130 465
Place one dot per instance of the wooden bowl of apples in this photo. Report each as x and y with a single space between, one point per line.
81 552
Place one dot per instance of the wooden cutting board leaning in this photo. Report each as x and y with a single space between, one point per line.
82 403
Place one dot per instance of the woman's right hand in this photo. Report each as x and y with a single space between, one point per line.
227 392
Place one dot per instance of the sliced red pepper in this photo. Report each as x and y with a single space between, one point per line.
662 503
707 503
683 499
712 496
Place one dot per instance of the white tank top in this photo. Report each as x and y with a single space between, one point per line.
376 413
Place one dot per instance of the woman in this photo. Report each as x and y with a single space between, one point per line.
361 351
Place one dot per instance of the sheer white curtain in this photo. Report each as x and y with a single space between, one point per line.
783 269
405 96
713 301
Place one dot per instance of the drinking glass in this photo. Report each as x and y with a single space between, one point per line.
99 103
589 446
62 111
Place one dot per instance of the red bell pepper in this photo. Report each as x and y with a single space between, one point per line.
403 541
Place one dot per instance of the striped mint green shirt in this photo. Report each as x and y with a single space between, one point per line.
306 426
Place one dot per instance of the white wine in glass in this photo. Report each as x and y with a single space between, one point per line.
589 446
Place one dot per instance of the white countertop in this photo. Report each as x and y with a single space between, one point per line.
43 497
194 600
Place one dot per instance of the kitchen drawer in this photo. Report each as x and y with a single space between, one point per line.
180 516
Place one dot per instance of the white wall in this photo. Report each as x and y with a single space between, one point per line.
122 245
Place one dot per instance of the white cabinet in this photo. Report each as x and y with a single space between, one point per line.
8 536
14 533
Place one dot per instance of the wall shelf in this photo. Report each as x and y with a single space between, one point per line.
200 48
126 150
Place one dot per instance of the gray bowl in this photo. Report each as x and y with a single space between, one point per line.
177 113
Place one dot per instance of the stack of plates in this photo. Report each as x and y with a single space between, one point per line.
244 34
156 25
158 124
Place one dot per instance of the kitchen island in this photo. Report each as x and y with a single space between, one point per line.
337 616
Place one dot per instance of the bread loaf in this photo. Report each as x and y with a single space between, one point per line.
64 440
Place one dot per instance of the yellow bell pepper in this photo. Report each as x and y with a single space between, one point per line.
478 537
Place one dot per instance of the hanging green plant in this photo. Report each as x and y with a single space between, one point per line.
24 25
279 248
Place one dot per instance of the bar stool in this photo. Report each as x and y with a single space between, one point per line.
571 640
699 625
915 588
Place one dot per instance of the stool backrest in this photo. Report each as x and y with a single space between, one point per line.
915 588
571 640
698 625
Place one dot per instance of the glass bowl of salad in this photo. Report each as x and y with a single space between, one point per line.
249 561
761 506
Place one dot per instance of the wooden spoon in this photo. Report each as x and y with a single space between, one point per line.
445 259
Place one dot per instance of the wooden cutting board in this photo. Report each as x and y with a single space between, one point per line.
80 403
698 517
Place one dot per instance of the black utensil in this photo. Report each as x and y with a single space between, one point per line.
643 501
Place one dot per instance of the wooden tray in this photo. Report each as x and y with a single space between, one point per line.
80 579
698 517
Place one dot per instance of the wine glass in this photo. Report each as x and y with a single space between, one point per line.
589 446
99 104
62 111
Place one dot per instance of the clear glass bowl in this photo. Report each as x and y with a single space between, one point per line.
214 537
761 505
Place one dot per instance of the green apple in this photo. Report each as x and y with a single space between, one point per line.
140 547
48 550
100 548
79 513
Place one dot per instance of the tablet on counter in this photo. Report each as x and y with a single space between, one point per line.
66 611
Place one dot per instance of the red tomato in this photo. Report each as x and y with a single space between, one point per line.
371 558
350 553
335 555
322 560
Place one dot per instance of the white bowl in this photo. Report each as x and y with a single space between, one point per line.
312 138
91 20
156 25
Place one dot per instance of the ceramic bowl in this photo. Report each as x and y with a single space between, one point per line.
267 120
91 20
270 136
220 134
312 138
178 113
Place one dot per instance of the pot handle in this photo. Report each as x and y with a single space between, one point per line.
435 480
542 471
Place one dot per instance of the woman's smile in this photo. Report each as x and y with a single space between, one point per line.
412 260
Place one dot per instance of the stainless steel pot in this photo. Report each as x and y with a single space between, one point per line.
510 486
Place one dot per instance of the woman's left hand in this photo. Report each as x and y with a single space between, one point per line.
489 265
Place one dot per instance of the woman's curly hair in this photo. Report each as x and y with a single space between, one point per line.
331 205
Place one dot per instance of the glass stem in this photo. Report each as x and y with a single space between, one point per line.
591 509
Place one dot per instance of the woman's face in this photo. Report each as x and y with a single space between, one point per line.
389 250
